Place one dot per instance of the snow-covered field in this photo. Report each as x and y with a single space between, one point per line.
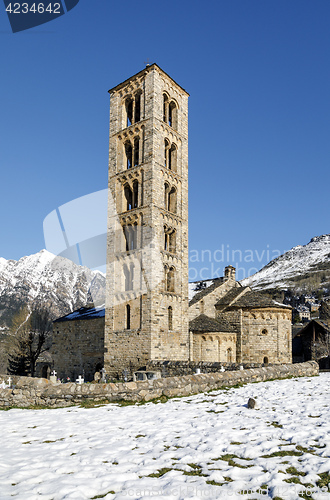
209 446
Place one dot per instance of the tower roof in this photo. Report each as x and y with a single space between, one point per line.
147 69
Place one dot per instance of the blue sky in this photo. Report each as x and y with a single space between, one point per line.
258 76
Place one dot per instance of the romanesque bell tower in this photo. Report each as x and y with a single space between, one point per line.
147 251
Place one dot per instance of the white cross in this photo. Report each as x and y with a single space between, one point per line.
80 380
222 369
54 373
9 381
241 367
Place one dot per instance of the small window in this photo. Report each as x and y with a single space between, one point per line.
264 332
172 156
172 242
135 194
136 151
128 197
165 107
229 355
128 317
129 155
172 201
129 112
265 360
170 317
172 115
170 280
137 107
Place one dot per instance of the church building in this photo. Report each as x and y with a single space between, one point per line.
147 315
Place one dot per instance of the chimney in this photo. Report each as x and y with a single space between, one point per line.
230 273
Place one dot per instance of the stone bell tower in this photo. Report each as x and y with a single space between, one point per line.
147 251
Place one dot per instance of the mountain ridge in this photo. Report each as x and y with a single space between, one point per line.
56 282
302 267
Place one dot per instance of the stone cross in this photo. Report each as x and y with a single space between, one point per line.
103 374
9 381
80 380
222 369
54 373
241 367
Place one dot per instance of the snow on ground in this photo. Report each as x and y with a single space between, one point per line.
208 446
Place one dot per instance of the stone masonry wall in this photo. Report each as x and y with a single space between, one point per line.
78 347
30 391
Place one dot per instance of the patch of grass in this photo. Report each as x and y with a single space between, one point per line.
302 448
55 440
194 472
236 443
111 492
160 472
214 483
325 479
140 436
314 416
228 479
294 472
213 411
294 480
276 424
229 458
283 453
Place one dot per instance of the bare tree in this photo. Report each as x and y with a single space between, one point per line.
29 334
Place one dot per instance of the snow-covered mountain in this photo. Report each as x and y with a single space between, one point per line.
301 267
54 281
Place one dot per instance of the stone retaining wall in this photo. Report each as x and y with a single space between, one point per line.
28 391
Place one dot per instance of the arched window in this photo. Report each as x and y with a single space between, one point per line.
229 355
264 332
265 360
201 307
137 113
129 155
170 317
136 151
172 200
128 280
166 239
129 111
128 197
170 285
166 193
172 157
172 241
165 108
130 232
166 153
172 115
128 317
135 194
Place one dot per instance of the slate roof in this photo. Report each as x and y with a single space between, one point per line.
257 299
231 295
204 323
199 295
84 313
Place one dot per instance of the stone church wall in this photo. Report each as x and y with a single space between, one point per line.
266 336
78 348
